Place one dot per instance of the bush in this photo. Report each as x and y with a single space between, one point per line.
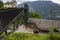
26 36
54 35
31 15
34 15
1 4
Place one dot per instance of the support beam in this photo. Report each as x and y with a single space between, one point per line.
15 26
0 38
26 9
5 31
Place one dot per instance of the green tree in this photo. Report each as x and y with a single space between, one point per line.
34 15
1 4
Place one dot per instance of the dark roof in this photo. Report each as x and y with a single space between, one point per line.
34 20
45 24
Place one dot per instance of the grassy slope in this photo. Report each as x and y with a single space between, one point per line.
26 36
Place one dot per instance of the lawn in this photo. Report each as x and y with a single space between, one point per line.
27 36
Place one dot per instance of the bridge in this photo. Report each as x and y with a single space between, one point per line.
10 15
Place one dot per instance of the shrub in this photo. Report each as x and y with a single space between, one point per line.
34 15
1 5
54 35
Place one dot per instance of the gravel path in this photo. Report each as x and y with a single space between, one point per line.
22 29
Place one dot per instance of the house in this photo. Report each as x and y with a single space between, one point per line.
43 24
12 4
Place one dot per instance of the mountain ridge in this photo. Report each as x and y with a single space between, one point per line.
48 9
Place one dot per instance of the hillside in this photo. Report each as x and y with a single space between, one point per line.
48 9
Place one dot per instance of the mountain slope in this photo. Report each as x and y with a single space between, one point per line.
48 9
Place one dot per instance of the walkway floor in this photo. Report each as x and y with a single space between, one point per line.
22 29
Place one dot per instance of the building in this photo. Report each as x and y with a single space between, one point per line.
43 24
12 4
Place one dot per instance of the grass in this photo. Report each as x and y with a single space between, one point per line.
27 36
56 36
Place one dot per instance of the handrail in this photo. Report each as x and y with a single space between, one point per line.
13 20
12 17
9 9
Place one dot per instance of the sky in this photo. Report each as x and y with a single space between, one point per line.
21 1
56 1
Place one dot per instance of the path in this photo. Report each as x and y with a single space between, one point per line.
22 29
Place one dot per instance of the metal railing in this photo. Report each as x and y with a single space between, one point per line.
10 16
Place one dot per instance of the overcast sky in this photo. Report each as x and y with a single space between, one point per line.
21 1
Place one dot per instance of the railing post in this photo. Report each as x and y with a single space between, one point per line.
17 24
14 25
6 31
26 9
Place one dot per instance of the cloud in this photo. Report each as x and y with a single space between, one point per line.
21 1
56 1
25 0
44 0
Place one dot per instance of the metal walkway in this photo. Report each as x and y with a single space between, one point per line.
8 16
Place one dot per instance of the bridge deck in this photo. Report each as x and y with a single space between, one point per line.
6 16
